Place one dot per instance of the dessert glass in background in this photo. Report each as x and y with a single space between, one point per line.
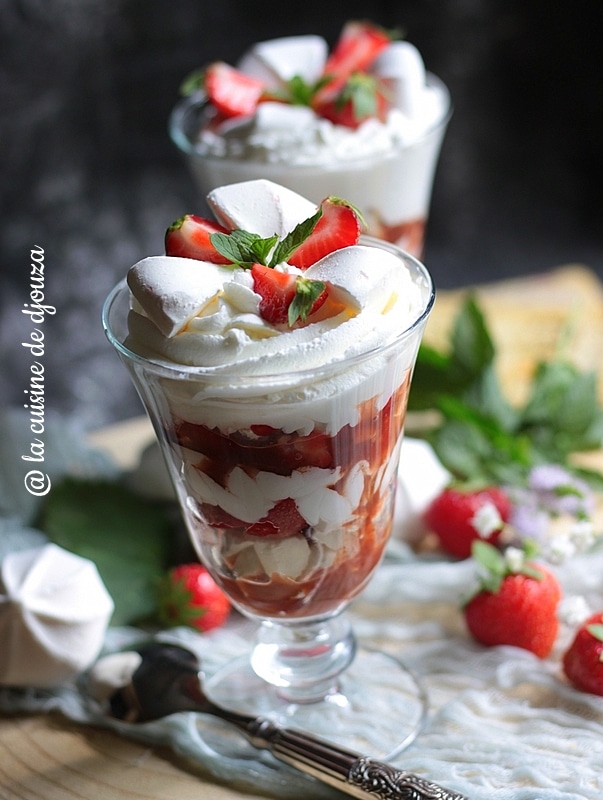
385 167
285 471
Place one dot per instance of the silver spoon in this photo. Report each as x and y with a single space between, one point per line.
160 679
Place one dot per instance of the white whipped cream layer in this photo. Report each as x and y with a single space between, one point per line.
296 136
227 338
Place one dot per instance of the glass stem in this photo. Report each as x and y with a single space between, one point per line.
303 661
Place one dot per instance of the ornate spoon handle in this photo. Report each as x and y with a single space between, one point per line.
345 770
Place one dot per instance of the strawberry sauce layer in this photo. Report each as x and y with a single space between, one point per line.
303 556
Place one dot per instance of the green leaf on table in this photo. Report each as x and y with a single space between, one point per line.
126 536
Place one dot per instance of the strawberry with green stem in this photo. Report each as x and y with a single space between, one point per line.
190 597
458 516
516 602
583 660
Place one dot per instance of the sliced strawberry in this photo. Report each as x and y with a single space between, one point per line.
188 237
273 451
283 520
218 518
230 91
339 226
279 290
357 47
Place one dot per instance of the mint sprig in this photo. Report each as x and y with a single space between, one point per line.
361 90
246 249
482 438
243 248
307 292
285 248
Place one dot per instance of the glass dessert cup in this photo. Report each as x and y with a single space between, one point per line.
392 189
286 483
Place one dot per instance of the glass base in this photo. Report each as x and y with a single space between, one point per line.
377 709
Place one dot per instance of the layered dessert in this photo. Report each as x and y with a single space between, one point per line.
365 122
273 347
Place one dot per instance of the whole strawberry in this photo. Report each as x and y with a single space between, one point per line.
460 516
189 596
516 603
583 660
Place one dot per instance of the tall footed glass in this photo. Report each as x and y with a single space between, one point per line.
287 483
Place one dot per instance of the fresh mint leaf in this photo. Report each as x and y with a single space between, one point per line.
472 346
485 393
243 248
563 414
126 536
285 248
471 352
306 293
194 82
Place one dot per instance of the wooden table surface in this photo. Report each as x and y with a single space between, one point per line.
49 758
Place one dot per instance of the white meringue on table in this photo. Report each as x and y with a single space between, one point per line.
54 614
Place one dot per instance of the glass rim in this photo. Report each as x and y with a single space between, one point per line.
222 373
195 103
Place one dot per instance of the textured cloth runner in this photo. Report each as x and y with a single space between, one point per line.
502 724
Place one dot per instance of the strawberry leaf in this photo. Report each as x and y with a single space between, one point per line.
596 630
306 294
492 563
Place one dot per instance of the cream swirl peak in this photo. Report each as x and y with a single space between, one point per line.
275 284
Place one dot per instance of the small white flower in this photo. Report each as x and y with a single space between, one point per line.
487 520
515 558
560 549
582 533
573 610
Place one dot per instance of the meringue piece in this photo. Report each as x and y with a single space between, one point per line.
282 117
403 72
54 612
421 478
360 277
259 206
278 60
171 290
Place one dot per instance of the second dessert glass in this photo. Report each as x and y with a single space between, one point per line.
392 189
287 485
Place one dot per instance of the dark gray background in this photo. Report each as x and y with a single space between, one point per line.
89 174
